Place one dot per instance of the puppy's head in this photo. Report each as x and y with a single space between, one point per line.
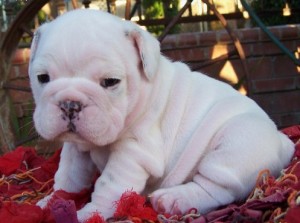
86 71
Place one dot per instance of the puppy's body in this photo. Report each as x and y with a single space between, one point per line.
186 139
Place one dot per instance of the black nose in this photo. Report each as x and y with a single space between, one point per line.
70 108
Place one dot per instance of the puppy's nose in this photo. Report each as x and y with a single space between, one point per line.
70 108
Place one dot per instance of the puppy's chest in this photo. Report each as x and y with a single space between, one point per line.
100 158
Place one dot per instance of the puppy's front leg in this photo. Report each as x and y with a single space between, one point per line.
124 171
75 171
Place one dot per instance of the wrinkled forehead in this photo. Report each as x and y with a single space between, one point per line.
80 37
76 44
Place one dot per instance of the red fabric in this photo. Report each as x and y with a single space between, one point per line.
64 211
11 212
27 177
13 161
95 218
80 199
292 132
293 215
132 204
25 171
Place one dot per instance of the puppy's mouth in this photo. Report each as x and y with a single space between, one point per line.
70 136
71 127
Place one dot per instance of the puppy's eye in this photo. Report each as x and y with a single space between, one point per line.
43 78
109 82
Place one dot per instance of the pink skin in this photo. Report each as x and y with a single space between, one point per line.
92 115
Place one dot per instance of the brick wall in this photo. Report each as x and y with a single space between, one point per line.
273 81
22 100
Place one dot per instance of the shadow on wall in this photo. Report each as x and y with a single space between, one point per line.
273 81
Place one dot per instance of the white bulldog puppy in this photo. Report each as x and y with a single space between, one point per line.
147 124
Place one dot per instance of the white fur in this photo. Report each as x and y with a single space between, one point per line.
186 139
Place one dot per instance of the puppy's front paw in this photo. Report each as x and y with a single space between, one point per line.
170 200
44 202
89 210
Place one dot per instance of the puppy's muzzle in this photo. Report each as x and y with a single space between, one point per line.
70 111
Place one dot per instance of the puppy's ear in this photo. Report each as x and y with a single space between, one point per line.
34 44
35 41
148 48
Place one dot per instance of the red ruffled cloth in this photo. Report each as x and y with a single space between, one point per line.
27 177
